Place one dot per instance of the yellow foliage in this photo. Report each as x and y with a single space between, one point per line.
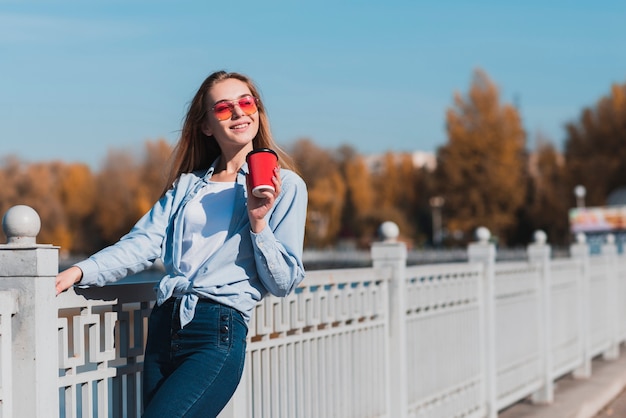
326 200
360 187
594 147
481 171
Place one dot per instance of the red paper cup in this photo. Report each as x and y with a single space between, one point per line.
261 164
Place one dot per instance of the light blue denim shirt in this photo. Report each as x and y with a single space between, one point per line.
238 274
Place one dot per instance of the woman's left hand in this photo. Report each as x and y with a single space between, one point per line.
258 207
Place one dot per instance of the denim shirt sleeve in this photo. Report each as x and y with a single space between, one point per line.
278 247
134 252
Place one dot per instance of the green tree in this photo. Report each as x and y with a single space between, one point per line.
481 170
595 153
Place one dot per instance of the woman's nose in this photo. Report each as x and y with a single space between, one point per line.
237 112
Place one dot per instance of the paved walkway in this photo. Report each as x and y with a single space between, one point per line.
601 395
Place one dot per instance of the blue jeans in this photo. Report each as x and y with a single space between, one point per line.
194 371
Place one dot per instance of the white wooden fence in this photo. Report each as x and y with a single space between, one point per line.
463 339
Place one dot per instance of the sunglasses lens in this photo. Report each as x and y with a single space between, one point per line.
247 105
223 111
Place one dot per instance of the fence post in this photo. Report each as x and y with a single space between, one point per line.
609 252
29 269
539 254
484 252
8 308
239 403
392 254
580 251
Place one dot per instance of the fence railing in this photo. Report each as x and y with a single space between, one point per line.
463 339
8 308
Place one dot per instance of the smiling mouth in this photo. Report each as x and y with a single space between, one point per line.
240 126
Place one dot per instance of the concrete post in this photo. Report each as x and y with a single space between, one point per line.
484 252
539 254
237 406
392 254
609 252
29 269
580 251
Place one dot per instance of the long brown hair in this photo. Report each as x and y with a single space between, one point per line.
196 151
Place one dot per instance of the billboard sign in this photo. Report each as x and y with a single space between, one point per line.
597 219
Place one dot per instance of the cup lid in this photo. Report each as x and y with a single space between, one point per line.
254 151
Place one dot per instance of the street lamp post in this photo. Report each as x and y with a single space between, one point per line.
436 202
580 193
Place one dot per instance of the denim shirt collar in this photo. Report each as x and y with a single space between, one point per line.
241 174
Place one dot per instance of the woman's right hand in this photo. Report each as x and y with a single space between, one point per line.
68 278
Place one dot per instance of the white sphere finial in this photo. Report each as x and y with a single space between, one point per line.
21 224
580 191
389 231
610 239
581 238
483 234
540 237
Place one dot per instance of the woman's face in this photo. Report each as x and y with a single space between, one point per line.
230 100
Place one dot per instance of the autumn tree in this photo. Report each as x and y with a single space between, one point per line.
39 186
37 190
327 191
548 196
396 193
127 189
481 170
423 183
82 212
76 191
153 172
10 172
360 198
595 154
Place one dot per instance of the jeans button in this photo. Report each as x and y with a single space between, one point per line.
224 329
224 317
175 347
224 338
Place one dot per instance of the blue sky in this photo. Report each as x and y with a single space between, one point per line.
78 78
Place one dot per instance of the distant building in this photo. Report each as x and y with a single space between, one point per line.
533 162
597 222
427 160
421 159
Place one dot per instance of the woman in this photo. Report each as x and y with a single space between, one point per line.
222 247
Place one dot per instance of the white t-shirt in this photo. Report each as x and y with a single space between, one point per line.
205 223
